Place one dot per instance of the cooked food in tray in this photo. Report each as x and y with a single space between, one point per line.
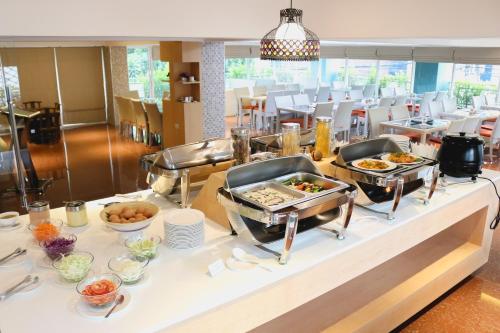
305 186
402 158
374 165
268 196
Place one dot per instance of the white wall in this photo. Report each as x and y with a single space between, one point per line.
330 19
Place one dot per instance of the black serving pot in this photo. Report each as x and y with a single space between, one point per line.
461 155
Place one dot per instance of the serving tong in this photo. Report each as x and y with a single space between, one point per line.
23 284
16 253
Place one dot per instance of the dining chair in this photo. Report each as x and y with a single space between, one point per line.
338 96
278 87
449 104
141 121
132 94
323 94
385 102
491 99
244 105
356 95
311 94
293 86
155 121
491 137
399 112
400 100
424 103
259 90
456 126
370 91
440 96
324 109
375 117
400 91
126 116
342 119
387 92
268 83
472 125
338 85
358 87
436 110
301 100
478 102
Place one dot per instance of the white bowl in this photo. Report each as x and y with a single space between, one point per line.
132 226
8 219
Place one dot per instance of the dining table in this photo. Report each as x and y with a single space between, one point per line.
259 101
421 125
304 110
484 115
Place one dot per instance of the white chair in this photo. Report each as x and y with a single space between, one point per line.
375 117
387 92
244 105
492 137
491 100
478 102
436 110
323 94
357 87
440 96
324 109
400 100
278 87
338 85
456 126
338 96
385 102
259 90
268 83
370 91
293 86
472 125
311 93
449 105
342 119
265 119
400 112
426 100
283 101
356 95
400 91
301 100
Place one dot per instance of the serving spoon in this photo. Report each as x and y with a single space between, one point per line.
241 255
118 301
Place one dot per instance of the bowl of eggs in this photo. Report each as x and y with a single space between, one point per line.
129 216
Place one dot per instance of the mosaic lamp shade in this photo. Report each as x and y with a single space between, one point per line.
290 40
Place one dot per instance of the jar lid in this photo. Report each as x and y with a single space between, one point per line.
324 119
290 126
75 206
38 206
240 131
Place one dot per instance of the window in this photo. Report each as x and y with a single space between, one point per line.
145 74
473 80
361 72
12 81
432 76
395 73
333 72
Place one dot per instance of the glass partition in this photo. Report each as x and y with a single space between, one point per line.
361 72
395 73
474 80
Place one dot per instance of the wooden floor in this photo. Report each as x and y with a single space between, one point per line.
95 162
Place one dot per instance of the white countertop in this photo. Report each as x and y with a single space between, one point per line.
178 288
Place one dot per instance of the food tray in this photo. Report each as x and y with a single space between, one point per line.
329 185
400 168
240 191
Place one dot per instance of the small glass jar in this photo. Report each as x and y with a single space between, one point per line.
76 213
324 135
38 211
290 138
241 144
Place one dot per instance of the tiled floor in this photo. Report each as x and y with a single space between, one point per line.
95 162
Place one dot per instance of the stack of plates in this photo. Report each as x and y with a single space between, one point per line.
402 140
184 228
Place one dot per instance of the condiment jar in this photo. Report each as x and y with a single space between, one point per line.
324 135
290 136
76 213
38 211
241 144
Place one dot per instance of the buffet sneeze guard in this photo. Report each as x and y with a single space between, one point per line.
261 224
377 187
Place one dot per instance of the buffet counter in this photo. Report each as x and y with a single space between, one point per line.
378 276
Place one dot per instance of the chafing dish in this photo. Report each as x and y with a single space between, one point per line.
273 143
263 223
378 187
171 171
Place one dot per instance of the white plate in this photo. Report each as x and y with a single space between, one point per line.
15 226
391 165
88 311
385 157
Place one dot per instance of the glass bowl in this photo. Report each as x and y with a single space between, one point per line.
95 290
128 267
75 266
143 247
46 229
59 246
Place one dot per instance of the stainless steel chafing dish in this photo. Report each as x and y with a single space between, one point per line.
263 223
273 143
171 171
377 187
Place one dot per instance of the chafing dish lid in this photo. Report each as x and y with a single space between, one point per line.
307 138
367 148
191 155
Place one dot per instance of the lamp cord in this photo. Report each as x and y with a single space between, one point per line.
496 220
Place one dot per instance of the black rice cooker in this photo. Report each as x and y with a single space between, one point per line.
461 155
